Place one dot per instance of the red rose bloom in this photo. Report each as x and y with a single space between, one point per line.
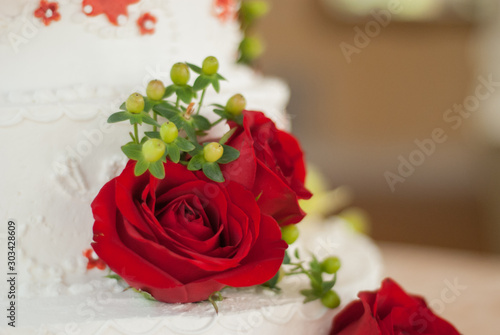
389 311
184 237
271 164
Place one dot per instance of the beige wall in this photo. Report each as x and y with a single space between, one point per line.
356 119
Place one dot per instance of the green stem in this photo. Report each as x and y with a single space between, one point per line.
136 133
201 100
303 271
177 102
155 117
217 122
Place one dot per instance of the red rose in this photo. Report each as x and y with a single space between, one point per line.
184 237
389 311
271 164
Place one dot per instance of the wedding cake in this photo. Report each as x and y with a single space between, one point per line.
67 66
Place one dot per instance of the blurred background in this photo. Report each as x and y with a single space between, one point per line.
371 79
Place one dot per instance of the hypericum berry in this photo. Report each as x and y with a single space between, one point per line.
330 299
251 47
153 149
169 132
180 74
330 265
210 66
290 233
236 104
213 152
135 103
155 90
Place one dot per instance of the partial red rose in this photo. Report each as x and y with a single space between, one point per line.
271 164
389 311
184 237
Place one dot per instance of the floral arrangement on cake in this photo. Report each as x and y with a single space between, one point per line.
193 212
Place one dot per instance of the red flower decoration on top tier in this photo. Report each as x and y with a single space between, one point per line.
146 23
112 9
271 165
225 9
48 12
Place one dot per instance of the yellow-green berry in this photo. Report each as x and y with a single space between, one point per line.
290 233
236 104
153 150
135 103
180 74
330 299
213 152
155 90
330 265
210 66
169 132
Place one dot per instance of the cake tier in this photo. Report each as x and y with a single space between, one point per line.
79 48
59 153
105 309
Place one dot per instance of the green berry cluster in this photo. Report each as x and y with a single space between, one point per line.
321 289
251 46
173 113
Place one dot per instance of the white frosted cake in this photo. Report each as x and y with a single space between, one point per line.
66 66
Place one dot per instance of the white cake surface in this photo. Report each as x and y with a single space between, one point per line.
106 309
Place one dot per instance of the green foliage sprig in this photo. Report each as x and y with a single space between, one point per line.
173 112
321 286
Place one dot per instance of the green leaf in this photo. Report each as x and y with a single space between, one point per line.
201 122
327 286
297 254
230 154
166 110
185 93
220 77
227 136
133 151
148 104
195 68
114 276
140 167
174 152
184 144
169 91
215 84
153 134
135 119
213 172
149 120
196 163
222 113
286 259
310 295
118 117
271 283
123 106
145 294
201 82
188 128
157 169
